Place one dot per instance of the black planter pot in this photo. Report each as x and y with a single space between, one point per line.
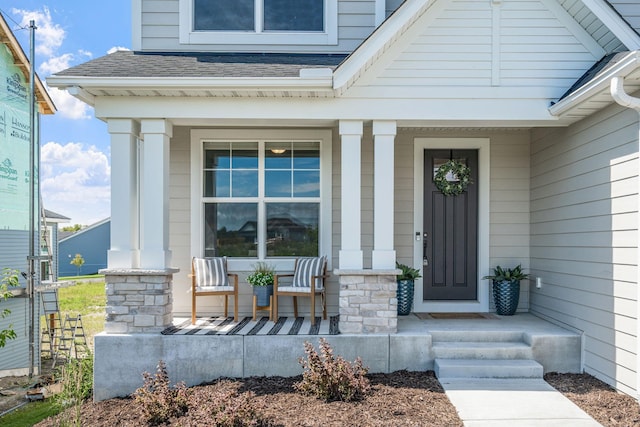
405 297
263 293
506 295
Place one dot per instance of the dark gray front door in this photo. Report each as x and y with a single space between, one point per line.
450 232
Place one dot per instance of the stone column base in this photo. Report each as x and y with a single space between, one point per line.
138 301
368 303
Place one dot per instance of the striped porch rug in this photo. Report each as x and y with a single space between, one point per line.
246 326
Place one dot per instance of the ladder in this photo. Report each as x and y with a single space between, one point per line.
45 244
51 332
73 341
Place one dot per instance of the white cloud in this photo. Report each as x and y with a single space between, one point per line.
67 105
55 64
49 36
76 178
116 49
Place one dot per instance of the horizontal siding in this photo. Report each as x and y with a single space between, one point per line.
584 187
160 30
15 354
583 15
630 10
470 43
14 249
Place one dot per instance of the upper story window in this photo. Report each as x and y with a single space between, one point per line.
292 22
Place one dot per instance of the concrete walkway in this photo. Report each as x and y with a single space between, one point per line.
513 402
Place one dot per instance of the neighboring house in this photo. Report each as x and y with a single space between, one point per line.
92 243
14 190
49 237
335 113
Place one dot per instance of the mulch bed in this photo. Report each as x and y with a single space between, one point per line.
398 399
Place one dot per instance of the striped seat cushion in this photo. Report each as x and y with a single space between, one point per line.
211 274
305 269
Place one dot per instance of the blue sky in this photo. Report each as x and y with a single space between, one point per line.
75 165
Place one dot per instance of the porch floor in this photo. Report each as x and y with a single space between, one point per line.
198 357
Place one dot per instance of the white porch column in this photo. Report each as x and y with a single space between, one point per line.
350 256
384 255
124 251
154 191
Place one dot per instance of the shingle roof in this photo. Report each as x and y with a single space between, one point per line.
175 64
602 65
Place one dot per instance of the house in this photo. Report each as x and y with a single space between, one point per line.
92 243
15 132
49 236
340 112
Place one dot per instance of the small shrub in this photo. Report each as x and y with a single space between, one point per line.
76 377
158 401
332 378
224 407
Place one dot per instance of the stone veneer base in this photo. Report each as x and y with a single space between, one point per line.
138 300
368 302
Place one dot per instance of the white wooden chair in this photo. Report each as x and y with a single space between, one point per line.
308 281
209 277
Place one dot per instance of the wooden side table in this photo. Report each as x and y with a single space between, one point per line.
257 307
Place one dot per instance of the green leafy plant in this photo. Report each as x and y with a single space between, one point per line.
507 274
331 377
76 377
158 401
262 274
408 273
9 280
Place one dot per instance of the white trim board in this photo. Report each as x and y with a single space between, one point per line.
483 145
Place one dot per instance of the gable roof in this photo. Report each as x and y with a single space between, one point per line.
44 101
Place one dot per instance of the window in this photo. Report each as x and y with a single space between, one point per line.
262 198
258 22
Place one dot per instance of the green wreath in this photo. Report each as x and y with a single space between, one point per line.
452 188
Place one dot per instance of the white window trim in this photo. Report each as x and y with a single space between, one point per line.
328 37
199 136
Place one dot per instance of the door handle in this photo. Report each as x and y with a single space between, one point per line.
425 260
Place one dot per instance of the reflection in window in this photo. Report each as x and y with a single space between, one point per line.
292 229
231 169
292 170
231 229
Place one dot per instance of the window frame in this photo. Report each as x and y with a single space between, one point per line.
328 37
262 136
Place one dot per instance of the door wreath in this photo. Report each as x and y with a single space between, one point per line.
457 169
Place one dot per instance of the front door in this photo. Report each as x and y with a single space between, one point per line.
450 231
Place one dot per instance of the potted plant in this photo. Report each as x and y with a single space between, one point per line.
506 288
262 281
406 280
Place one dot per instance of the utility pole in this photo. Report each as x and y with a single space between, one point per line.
33 229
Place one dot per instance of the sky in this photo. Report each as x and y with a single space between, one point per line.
75 169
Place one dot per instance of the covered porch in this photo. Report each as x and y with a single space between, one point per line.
418 345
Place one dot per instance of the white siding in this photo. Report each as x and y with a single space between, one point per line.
594 26
160 30
630 11
584 187
472 44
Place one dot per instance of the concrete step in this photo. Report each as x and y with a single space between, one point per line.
480 336
487 368
481 350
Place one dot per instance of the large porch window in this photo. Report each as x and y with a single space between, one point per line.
263 198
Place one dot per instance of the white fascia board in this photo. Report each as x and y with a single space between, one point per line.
623 68
378 41
321 82
609 17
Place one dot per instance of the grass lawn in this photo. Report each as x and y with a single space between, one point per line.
87 299
29 414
